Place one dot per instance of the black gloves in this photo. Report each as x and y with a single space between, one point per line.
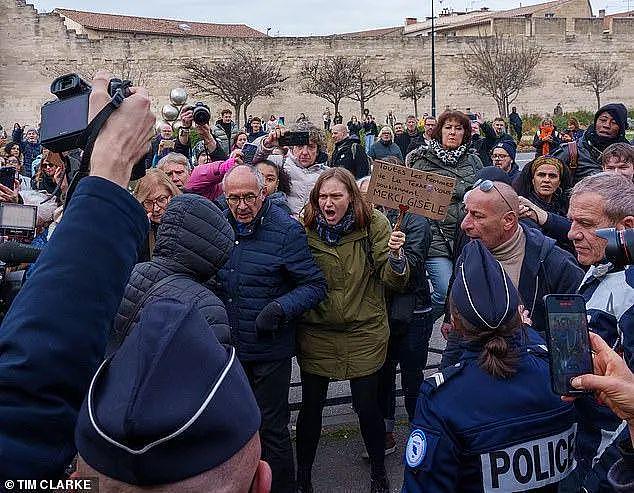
269 319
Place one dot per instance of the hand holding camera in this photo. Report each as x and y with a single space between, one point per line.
125 136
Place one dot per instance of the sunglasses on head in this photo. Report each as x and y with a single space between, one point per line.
487 186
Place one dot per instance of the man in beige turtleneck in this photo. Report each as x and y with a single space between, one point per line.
495 222
534 263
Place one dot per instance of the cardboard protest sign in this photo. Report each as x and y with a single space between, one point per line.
420 192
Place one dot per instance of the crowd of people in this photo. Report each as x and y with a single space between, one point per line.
152 343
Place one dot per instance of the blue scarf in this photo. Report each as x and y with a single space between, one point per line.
331 235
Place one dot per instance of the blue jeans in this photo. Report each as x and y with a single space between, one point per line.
439 270
369 142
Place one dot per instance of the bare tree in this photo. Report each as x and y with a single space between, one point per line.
501 67
413 86
236 80
368 85
137 71
597 76
331 78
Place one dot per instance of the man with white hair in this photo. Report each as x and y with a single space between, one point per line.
176 167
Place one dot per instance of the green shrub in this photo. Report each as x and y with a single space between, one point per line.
532 121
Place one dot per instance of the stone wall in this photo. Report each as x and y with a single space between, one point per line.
35 45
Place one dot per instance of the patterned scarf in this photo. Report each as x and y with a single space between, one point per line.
449 157
331 235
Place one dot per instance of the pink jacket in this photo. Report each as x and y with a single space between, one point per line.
206 179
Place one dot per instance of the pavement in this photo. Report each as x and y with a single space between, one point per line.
522 158
338 466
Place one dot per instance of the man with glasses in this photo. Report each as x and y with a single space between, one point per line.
269 280
533 262
503 156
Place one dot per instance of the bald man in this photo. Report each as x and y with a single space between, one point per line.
532 261
348 152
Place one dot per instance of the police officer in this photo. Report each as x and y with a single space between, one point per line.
490 423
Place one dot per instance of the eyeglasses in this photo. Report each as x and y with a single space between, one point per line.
487 186
48 165
160 201
498 157
249 199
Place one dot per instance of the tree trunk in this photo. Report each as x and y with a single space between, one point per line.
500 103
244 112
236 111
415 107
337 101
362 107
598 95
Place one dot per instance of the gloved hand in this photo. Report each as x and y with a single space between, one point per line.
269 319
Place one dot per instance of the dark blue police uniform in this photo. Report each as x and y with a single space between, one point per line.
474 432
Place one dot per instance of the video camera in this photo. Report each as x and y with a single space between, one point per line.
17 225
64 121
620 247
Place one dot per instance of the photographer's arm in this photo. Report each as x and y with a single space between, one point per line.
53 337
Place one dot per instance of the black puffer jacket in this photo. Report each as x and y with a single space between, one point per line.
195 240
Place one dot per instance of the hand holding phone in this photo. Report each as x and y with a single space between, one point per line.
291 139
248 152
568 341
7 176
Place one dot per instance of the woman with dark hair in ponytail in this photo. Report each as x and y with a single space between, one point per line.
491 423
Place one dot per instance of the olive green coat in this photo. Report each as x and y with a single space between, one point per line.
346 335
465 171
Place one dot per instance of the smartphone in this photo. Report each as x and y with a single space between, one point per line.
168 143
248 152
569 349
290 139
7 176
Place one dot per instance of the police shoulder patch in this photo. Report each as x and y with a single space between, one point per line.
416 448
439 378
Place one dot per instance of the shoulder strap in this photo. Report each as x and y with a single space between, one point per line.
115 342
367 248
574 155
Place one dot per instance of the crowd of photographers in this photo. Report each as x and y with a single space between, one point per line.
158 325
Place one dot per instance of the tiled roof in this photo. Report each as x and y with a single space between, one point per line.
130 24
385 31
479 17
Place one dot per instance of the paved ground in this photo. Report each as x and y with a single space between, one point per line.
524 157
339 466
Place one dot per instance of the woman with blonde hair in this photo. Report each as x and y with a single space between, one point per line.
154 191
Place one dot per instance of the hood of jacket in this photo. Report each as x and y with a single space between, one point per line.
194 237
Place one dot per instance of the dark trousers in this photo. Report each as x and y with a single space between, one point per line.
408 346
270 382
366 403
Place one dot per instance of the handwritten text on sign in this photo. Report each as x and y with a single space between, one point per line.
426 194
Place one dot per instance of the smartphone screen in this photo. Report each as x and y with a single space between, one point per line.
294 139
569 343
7 176
248 151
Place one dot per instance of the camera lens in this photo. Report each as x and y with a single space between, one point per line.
201 114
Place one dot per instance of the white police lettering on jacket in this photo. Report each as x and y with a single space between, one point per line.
529 465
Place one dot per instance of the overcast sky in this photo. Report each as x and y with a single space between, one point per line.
298 17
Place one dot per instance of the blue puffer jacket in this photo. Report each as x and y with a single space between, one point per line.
270 261
193 240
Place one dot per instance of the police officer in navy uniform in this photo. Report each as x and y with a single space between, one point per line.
491 423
